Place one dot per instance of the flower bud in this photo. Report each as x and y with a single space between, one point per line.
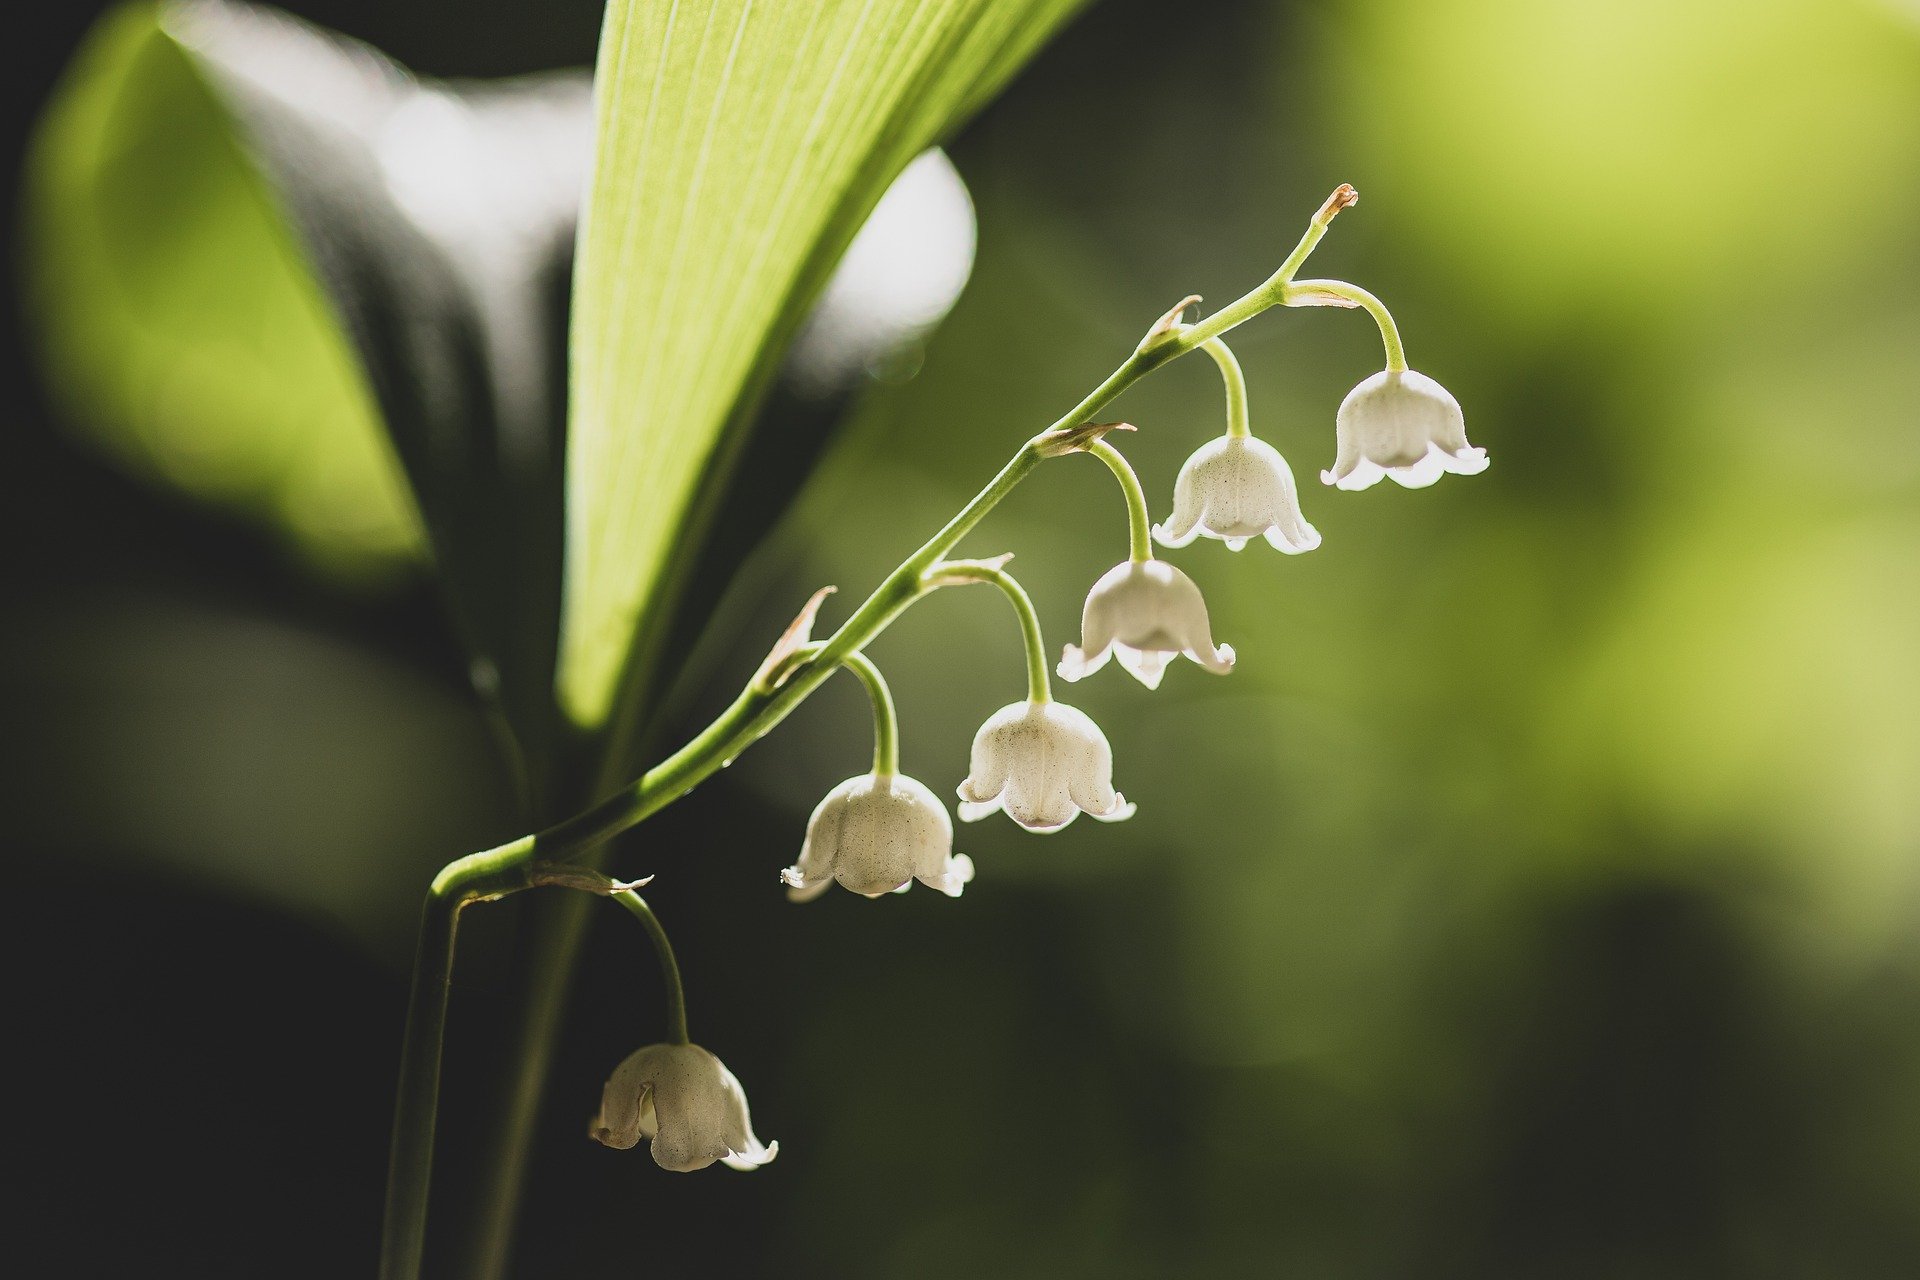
1148 613
1044 763
1235 488
687 1102
877 834
1405 425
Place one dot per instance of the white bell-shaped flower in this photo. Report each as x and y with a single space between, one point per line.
876 834
687 1102
1236 488
1044 763
1148 613
1405 425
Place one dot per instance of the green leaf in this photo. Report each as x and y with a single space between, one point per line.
178 317
255 243
301 243
740 146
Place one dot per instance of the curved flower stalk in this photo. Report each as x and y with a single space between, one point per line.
1043 764
1398 423
1146 613
1144 610
687 1103
1237 487
1404 426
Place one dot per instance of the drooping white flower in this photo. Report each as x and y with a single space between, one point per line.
1404 425
1148 613
1235 488
687 1102
876 834
1044 763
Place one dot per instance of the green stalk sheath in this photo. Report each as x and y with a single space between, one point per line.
669 967
1139 544
886 730
1389 332
1237 422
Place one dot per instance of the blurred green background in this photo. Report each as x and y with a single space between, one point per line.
1539 897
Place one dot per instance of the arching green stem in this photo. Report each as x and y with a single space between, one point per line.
1039 682
1237 424
1304 293
754 713
1138 522
886 730
669 967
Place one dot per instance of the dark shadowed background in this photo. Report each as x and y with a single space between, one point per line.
1540 897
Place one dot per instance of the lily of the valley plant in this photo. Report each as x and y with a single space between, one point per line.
1041 762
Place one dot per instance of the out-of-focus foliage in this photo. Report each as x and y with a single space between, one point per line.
431 224
180 316
1540 897
739 148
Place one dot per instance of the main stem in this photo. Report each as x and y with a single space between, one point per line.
752 715
410 1157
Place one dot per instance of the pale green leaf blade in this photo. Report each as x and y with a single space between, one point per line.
740 146
178 316
287 274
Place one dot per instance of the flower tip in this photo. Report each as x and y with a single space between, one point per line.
1149 667
1308 540
799 888
751 1159
1174 541
607 1137
1074 664
1222 663
975 810
1364 476
1120 812
959 875
1344 196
